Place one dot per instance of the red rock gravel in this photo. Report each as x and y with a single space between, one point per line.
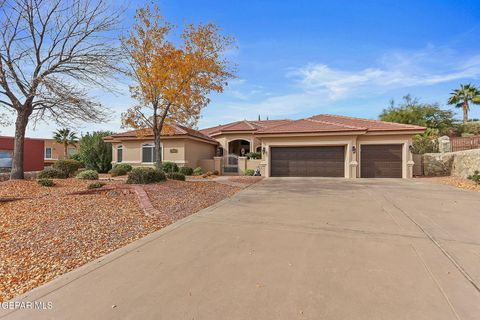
47 236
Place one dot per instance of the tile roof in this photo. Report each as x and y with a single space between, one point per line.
173 129
244 125
371 125
333 123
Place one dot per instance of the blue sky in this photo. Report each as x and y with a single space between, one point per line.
299 58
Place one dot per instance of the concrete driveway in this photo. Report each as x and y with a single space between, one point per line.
291 248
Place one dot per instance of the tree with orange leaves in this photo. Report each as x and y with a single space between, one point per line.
172 79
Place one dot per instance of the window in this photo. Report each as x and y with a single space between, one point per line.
48 153
72 151
148 153
5 159
119 153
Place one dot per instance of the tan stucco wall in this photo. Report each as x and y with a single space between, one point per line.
196 150
184 152
57 149
207 164
352 160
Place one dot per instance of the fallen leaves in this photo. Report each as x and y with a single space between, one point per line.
454 181
53 233
179 199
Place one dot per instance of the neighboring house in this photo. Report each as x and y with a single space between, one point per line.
33 154
56 151
319 146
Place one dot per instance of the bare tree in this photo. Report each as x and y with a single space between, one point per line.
51 52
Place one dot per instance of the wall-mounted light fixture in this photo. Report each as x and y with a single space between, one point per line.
354 149
410 147
264 150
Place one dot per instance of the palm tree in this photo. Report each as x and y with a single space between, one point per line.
66 137
461 98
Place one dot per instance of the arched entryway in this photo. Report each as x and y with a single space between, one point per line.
239 147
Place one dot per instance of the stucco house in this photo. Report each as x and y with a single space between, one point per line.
320 146
56 151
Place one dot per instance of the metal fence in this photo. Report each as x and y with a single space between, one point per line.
465 143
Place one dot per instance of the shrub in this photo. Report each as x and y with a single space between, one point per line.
207 174
96 153
96 185
475 177
51 173
254 155
176 176
143 175
186 171
45 182
68 167
198 171
88 175
249 172
169 166
77 157
120 169
216 173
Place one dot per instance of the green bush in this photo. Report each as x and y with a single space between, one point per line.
68 167
254 155
96 185
143 175
198 171
249 172
88 175
176 176
169 166
475 177
51 173
186 171
96 153
77 157
45 182
468 128
426 142
120 169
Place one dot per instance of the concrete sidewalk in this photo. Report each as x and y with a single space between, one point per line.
291 248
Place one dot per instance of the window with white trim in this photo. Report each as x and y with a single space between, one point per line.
148 153
48 153
120 153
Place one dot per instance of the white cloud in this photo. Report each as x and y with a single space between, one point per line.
397 70
318 85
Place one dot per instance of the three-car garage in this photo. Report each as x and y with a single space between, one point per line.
375 161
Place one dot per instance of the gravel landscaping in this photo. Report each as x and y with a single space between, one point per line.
53 233
453 181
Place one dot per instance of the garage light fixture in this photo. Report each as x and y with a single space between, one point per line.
354 149
264 150
410 147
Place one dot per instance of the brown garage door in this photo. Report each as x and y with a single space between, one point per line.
308 161
381 161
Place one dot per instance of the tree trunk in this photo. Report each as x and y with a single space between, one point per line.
158 150
18 149
65 150
465 111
